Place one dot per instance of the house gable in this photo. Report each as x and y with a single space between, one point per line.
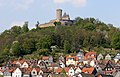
78 70
107 57
34 72
17 73
100 57
25 65
7 73
71 72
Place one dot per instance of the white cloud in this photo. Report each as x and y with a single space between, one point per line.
78 3
16 4
59 1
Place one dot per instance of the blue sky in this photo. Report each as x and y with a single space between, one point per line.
16 12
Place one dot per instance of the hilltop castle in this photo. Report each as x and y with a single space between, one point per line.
64 19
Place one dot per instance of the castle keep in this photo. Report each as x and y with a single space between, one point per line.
63 18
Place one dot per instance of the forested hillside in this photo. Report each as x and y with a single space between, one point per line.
88 33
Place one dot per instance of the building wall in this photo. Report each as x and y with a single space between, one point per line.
59 14
46 25
59 18
17 73
25 65
71 62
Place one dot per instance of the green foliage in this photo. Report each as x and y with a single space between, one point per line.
25 27
44 52
16 30
66 46
44 42
57 23
28 45
88 33
90 26
15 48
116 40
63 71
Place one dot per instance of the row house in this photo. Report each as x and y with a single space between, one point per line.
109 69
90 56
81 65
61 62
117 58
73 71
71 60
21 63
47 59
70 71
101 57
80 56
27 72
108 57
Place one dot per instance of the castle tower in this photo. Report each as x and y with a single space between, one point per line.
59 14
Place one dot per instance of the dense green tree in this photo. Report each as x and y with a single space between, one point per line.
90 26
15 48
67 46
87 33
25 27
57 23
44 42
56 40
116 40
6 51
44 52
16 30
28 45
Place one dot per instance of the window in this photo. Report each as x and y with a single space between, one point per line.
71 72
33 72
24 65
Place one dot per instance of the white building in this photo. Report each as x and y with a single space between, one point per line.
17 73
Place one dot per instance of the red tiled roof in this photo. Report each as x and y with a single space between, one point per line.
21 61
45 57
27 70
37 69
66 69
90 53
88 70
74 57
85 58
58 70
